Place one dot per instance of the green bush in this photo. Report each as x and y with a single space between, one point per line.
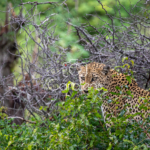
79 125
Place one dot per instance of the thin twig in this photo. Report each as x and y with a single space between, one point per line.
22 119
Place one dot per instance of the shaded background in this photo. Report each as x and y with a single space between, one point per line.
43 42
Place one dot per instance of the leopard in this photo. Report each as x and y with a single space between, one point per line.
98 75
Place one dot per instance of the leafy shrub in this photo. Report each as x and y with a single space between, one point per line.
79 125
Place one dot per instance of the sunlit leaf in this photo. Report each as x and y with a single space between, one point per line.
129 79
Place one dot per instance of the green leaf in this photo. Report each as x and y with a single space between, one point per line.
129 93
102 88
128 141
72 85
34 131
118 67
41 107
109 147
91 143
9 143
67 87
124 58
29 147
65 91
132 61
129 79
131 72
118 88
126 65
114 93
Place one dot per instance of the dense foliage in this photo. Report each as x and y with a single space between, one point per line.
87 13
78 125
62 32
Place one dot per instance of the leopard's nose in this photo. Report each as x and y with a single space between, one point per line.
85 91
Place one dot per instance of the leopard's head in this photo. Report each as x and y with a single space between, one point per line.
93 75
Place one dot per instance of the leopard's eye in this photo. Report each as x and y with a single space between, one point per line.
82 78
94 78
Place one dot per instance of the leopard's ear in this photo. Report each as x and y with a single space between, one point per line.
106 69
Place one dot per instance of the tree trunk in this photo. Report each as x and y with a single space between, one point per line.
8 49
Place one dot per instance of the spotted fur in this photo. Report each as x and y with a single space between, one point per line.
99 75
